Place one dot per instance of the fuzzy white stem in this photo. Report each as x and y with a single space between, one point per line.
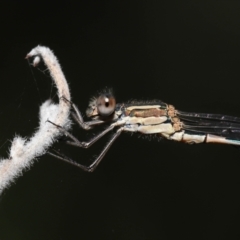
23 152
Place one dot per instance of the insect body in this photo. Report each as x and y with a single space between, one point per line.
154 117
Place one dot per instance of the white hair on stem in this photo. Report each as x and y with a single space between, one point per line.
22 151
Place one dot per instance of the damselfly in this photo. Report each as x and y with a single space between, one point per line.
153 117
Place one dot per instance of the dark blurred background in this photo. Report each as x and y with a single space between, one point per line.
185 53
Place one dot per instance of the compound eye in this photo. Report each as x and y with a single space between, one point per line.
106 105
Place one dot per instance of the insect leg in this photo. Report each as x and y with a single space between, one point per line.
76 142
79 119
94 165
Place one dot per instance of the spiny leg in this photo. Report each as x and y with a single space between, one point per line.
94 165
76 142
86 125
66 159
77 116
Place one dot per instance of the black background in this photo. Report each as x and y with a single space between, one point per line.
184 53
